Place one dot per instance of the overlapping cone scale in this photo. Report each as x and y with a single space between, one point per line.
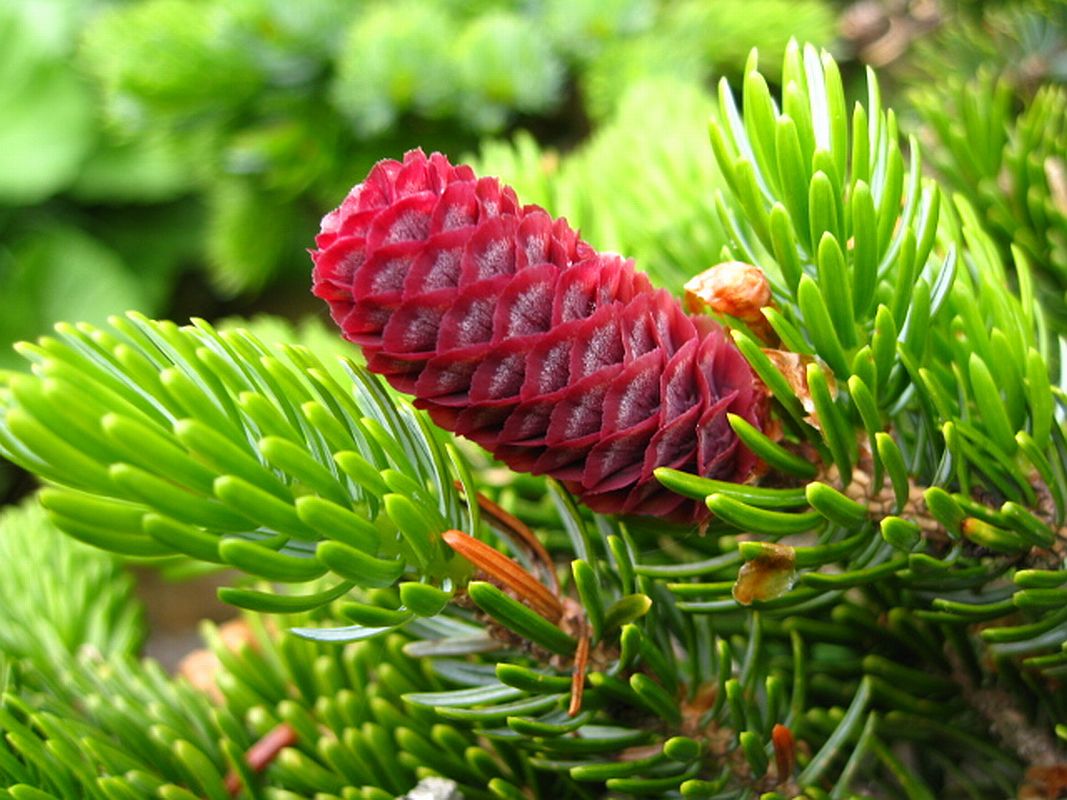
513 332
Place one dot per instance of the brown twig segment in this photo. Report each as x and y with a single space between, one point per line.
262 753
581 663
508 523
785 752
508 572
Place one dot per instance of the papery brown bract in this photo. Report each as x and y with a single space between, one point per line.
513 332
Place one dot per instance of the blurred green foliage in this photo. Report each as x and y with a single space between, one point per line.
698 39
1026 38
652 153
144 137
71 190
53 119
996 117
69 598
175 156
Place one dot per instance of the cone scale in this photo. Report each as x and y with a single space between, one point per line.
513 332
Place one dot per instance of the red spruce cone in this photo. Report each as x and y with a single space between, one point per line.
513 332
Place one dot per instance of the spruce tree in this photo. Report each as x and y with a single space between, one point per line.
848 579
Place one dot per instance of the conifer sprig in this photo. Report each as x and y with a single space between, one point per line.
79 600
900 295
161 440
1012 168
936 477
